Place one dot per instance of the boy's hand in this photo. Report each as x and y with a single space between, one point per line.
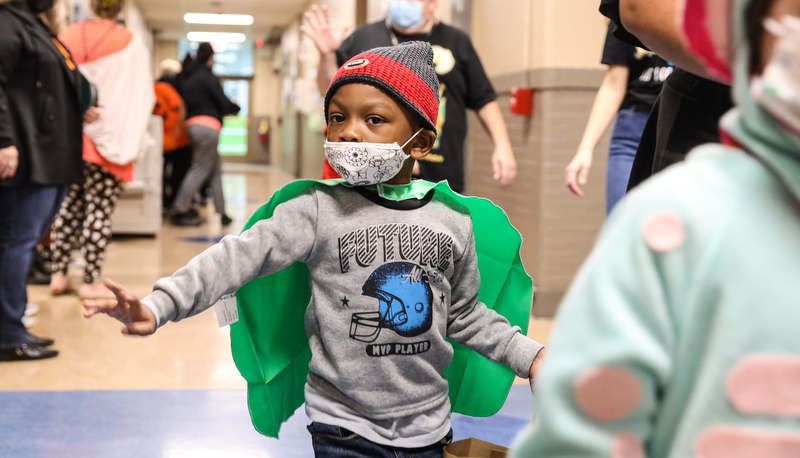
125 307
537 364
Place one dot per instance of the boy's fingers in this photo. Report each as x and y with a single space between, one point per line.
115 288
100 305
138 329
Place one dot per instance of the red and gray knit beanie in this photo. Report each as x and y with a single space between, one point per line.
405 72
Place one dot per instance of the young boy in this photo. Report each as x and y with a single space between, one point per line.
679 337
392 271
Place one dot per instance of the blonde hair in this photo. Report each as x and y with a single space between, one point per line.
107 9
169 67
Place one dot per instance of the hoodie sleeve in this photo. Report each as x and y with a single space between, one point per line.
267 247
613 340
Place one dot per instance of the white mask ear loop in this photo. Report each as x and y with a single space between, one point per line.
412 137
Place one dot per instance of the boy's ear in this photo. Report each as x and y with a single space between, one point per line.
423 144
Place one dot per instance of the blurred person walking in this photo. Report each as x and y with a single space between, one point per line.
463 83
633 81
40 155
177 153
116 61
206 104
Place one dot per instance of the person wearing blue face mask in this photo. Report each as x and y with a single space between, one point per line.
406 14
463 83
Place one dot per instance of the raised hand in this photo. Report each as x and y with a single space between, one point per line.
318 27
125 307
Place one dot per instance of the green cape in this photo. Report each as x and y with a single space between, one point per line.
269 342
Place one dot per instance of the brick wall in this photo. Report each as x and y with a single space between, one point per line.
558 228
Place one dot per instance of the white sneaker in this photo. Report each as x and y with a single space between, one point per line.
28 321
31 309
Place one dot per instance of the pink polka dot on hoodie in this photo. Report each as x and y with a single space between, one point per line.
664 232
607 393
627 445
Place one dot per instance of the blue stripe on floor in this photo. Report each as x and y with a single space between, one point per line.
204 239
185 423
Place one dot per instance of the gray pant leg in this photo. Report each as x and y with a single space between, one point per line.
205 165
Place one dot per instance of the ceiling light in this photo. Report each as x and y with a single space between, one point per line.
218 19
215 37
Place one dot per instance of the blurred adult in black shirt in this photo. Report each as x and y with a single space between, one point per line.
632 83
687 111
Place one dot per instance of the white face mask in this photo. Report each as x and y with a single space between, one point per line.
363 164
777 90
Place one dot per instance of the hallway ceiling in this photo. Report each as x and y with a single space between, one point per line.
165 17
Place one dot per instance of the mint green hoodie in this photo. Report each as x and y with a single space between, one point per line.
680 336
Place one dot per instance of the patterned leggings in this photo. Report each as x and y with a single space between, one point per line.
85 221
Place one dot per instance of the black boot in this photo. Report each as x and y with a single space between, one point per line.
39 273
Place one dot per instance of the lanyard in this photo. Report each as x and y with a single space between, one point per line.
88 51
65 53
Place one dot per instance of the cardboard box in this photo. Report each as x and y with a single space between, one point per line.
474 448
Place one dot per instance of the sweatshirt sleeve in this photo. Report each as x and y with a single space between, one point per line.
267 247
613 335
475 326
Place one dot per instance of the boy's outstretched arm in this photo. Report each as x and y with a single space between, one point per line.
126 308
483 330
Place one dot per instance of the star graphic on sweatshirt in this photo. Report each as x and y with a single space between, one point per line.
345 302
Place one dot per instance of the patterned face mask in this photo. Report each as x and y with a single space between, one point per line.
777 90
363 164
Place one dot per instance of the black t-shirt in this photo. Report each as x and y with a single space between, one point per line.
462 84
646 75
610 9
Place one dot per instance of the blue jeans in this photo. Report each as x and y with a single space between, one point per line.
624 142
336 442
26 212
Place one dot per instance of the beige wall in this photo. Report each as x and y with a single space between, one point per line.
163 49
553 47
516 35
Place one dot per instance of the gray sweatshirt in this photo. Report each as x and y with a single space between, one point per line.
390 281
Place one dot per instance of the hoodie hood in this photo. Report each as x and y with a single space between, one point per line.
715 30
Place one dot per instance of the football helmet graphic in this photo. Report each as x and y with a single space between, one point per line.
404 302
